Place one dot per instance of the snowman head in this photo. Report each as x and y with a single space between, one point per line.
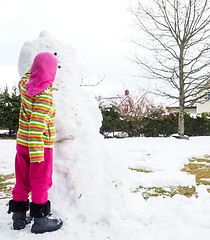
69 72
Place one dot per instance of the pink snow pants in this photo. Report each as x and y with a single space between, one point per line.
32 177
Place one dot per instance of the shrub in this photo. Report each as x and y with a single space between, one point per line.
145 119
9 110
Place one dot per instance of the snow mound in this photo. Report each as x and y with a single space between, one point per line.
85 179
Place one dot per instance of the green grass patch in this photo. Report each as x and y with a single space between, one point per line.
200 167
140 170
6 185
204 160
168 191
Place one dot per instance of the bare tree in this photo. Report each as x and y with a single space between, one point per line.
178 36
87 81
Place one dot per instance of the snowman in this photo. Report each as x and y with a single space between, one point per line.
84 181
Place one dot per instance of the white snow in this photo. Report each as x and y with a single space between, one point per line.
7 156
93 185
128 215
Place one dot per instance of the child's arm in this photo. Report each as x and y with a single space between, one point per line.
38 122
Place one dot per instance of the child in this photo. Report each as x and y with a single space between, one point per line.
35 140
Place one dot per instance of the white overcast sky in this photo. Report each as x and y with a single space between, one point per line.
99 30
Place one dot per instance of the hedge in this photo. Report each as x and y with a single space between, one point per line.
164 125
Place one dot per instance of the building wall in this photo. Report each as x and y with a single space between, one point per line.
190 111
203 107
187 110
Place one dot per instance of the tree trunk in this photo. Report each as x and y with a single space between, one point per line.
181 120
10 132
181 94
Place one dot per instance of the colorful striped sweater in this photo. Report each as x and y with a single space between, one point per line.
36 121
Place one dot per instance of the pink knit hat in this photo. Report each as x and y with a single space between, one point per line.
43 73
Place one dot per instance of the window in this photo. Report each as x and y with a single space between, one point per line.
207 96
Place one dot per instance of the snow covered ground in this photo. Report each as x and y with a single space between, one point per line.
157 218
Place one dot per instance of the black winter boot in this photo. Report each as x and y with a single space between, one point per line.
19 209
42 222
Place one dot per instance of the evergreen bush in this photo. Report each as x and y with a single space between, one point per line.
9 110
